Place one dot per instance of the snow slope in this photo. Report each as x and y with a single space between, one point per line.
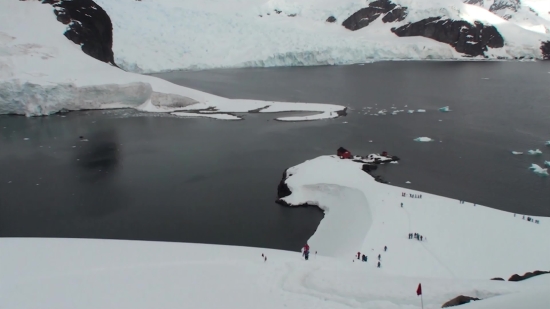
86 273
41 72
164 35
463 240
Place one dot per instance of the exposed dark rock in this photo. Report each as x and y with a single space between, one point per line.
292 15
397 14
476 2
277 11
459 300
88 26
365 16
545 48
331 19
498 279
528 275
498 5
472 40
282 189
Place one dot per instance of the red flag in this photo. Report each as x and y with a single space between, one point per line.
419 290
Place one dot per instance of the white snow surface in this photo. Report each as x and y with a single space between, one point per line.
88 273
165 35
423 139
41 72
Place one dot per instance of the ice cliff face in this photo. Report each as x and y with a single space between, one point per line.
88 25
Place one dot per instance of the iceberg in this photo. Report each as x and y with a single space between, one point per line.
444 109
423 139
547 163
536 152
517 152
547 143
539 170
421 111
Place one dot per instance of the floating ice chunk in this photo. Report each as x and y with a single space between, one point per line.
411 111
345 122
394 162
26 139
547 163
407 182
421 111
370 141
539 170
547 143
440 120
535 152
423 139
444 109
485 78
517 152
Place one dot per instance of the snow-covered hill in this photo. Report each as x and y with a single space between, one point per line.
162 35
43 72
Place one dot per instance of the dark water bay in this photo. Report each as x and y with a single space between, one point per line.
155 177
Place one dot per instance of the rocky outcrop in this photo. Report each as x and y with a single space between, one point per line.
459 300
470 39
498 5
331 19
498 279
476 2
545 49
88 26
528 275
365 16
282 189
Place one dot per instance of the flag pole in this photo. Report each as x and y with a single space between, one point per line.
422 301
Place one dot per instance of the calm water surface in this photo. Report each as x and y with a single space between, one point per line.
150 177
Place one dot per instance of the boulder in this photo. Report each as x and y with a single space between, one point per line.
470 39
331 19
88 26
459 300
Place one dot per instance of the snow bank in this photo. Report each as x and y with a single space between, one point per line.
165 35
41 72
423 139
502 243
538 170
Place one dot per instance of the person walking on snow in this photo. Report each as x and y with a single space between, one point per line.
401 204
385 248
379 257
358 255
378 264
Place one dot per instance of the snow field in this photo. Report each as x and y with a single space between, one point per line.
87 273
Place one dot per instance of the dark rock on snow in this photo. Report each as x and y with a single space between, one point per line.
88 25
498 279
528 275
459 300
331 19
365 16
498 5
545 48
472 40
282 189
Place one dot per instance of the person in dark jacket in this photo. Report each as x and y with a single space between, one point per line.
378 264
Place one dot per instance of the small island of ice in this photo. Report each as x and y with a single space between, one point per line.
423 139
539 170
444 109
536 152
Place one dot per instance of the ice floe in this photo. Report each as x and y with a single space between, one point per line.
423 139
535 152
539 170
444 109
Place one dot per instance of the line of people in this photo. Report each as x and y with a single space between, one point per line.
403 194
530 219
417 236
